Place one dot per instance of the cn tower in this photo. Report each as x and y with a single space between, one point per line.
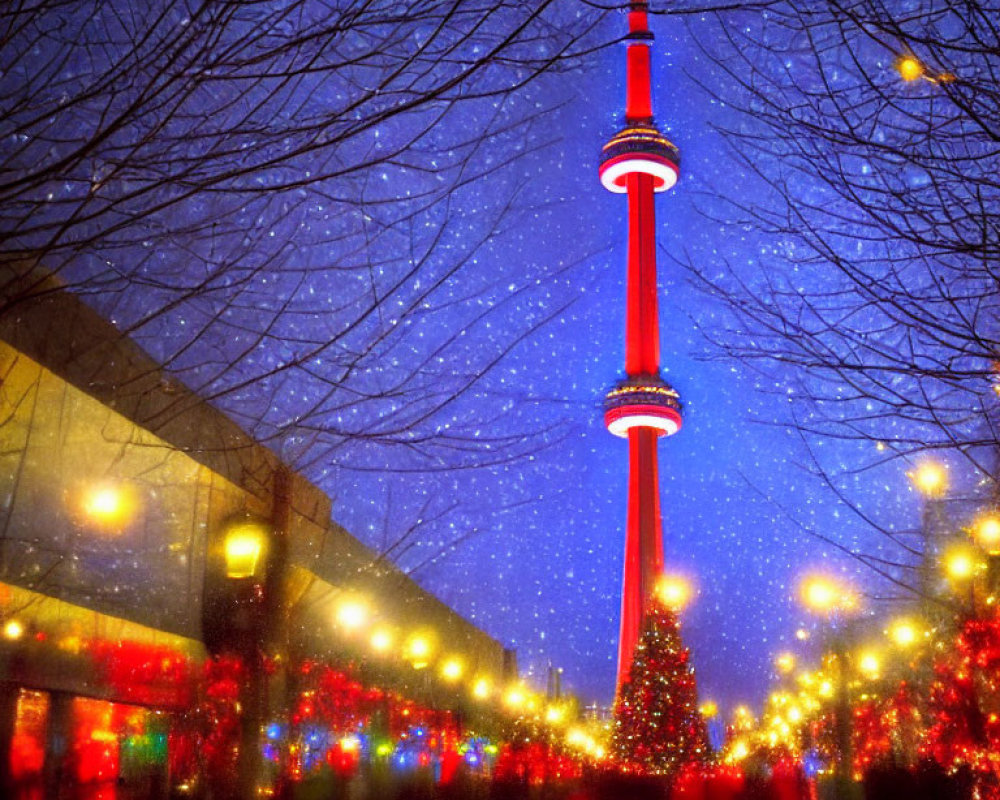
638 162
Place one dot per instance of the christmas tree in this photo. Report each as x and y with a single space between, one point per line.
658 729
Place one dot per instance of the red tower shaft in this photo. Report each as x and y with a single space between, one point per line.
640 161
644 526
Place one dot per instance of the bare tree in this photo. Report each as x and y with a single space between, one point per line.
285 202
869 133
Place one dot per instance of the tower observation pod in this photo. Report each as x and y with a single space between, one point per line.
639 161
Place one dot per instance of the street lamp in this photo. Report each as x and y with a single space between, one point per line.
243 548
869 665
381 640
961 565
108 506
452 669
418 650
826 596
903 633
481 689
986 533
930 478
352 614
834 600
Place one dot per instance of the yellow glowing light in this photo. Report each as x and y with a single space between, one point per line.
598 752
103 502
481 689
576 738
13 630
554 715
108 506
825 595
739 751
794 714
909 68
785 663
987 533
708 709
350 744
515 698
244 545
451 670
825 689
903 633
418 651
674 591
381 640
960 563
931 478
742 712
352 614
869 664
802 634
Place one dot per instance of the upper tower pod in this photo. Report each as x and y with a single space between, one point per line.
639 147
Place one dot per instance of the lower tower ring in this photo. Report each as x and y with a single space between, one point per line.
642 401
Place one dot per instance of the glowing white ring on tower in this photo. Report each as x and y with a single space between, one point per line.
621 420
613 174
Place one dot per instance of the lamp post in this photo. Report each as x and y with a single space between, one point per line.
961 563
986 533
835 601
930 479
245 555
909 637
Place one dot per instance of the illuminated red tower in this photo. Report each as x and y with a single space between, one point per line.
638 162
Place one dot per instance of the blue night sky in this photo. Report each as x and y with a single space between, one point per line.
544 576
